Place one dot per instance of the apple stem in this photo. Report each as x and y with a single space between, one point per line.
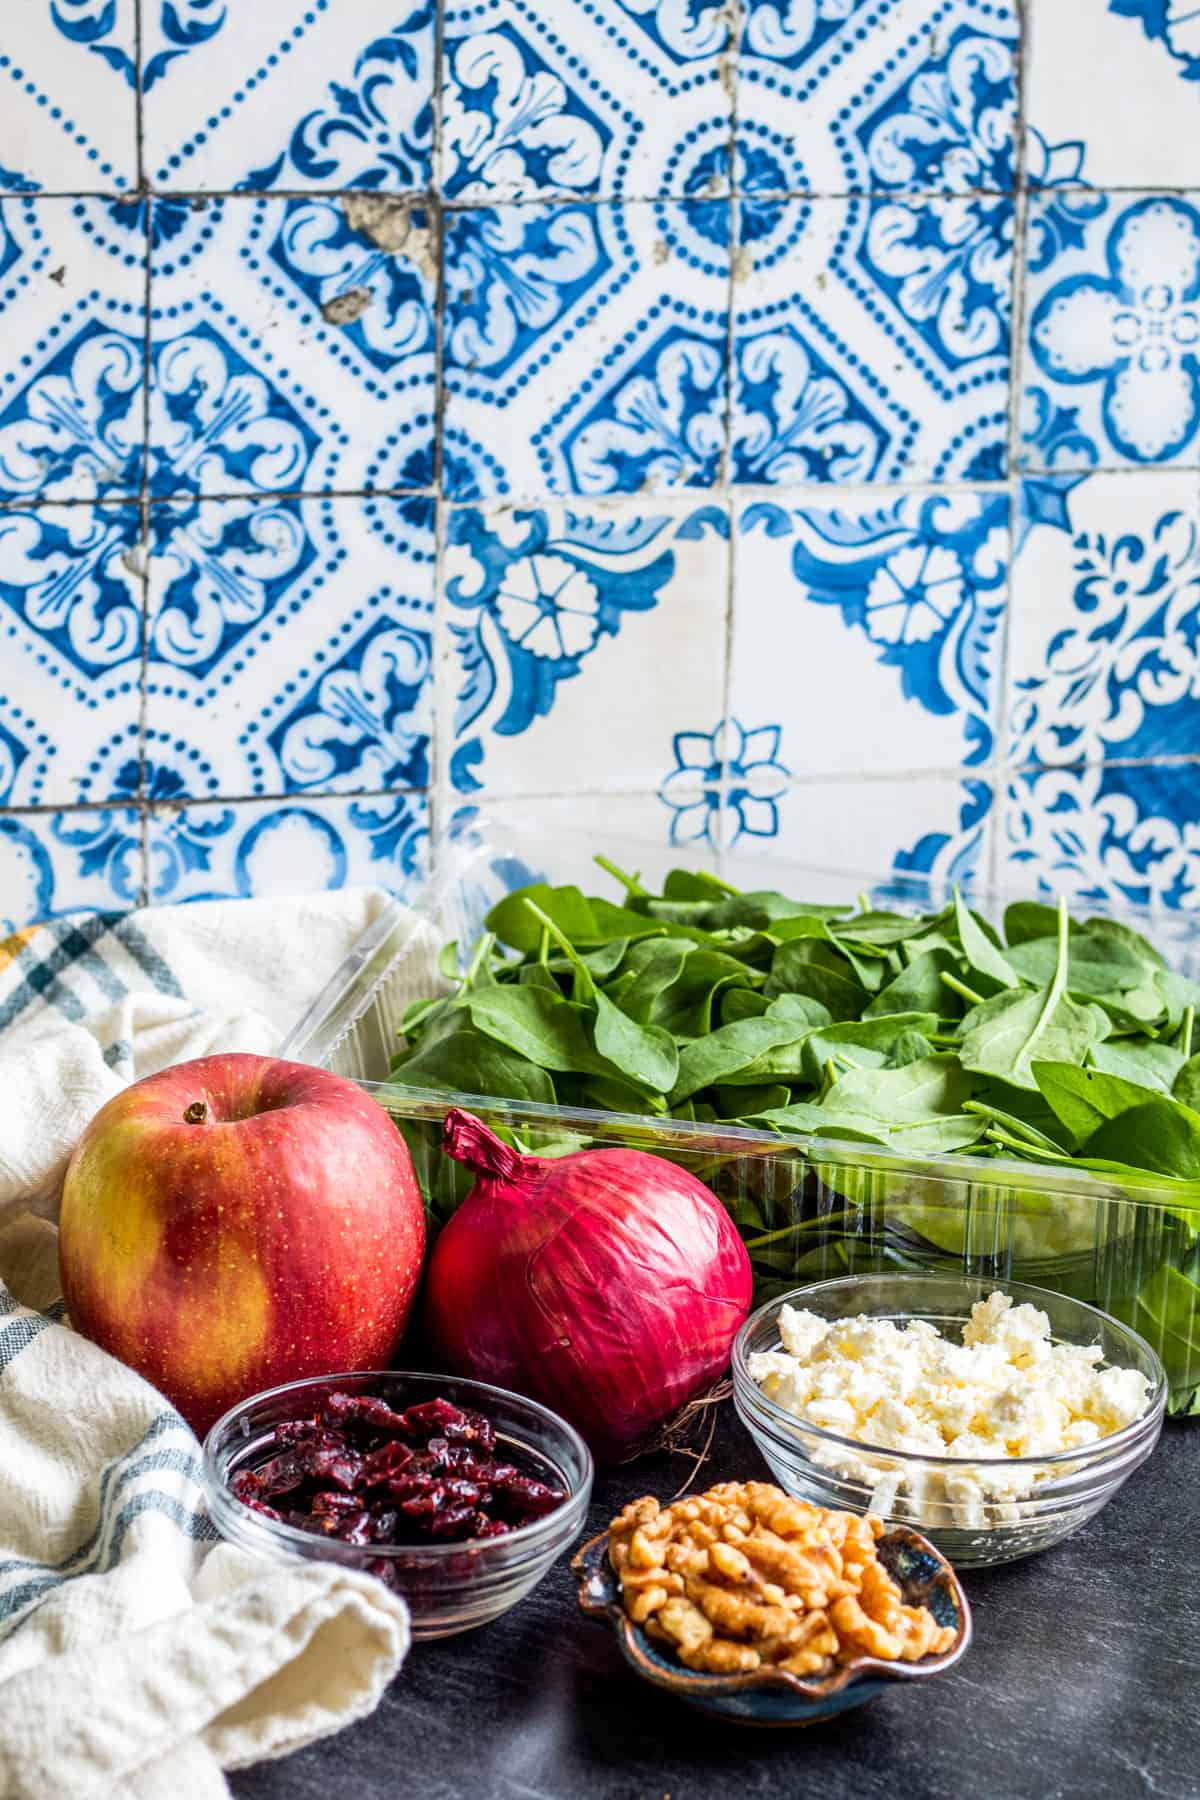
196 1113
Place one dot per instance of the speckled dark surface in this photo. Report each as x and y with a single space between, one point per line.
1083 1683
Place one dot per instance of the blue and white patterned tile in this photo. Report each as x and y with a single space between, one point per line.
580 643
932 827
1122 833
1113 308
872 634
1105 628
242 849
71 603
292 345
290 646
297 95
72 285
68 105
877 96
585 348
627 98
51 863
871 340
1125 84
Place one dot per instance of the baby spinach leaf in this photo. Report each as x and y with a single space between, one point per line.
514 924
1003 1035
982 955
643 1052
1178 992
473 1064
745 1003
1166 1311
920 988
1187 1083
801 1009
869 1043
695 884
805 966
1084 1099
756 910
919 1091
685 1007
1091 968
1154 1064
726 1051
650 967
1027 919
607 1094
538 1025
1160 1135
909 1047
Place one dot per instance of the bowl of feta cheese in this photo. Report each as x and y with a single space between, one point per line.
995 1420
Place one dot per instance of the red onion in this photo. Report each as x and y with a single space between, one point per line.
608 1284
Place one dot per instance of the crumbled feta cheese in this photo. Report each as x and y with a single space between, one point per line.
1006 1391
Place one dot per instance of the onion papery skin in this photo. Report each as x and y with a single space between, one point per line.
608 1284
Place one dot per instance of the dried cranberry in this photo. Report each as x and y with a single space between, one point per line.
281 1474
334 1505
386 1461
383 1570
357 1528
343 1467
363 1409
452 1521
531 1498
431 1417
383 1525
483 1527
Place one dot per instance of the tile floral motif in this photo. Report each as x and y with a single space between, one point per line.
53 863
70 650
900 602
907 96
1106 628
1123 833
68 102
871 340
240 849
292 95
726 784
72 282
274 323
627 604
1106 696
1114 332
290 646
1136 68
616 98
585 348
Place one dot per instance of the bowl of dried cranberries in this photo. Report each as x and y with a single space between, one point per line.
456 1494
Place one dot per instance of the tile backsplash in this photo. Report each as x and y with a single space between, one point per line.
770 425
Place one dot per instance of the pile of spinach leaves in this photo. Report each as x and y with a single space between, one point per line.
1064 1043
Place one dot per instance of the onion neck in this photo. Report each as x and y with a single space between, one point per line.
468 1140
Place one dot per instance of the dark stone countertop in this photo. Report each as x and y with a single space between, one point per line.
1083 1683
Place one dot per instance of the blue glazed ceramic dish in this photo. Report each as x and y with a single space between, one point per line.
771 1696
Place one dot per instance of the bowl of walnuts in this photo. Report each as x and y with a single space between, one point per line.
765 1610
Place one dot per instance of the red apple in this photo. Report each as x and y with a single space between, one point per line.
237 1221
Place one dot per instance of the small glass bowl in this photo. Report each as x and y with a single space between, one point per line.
449 1587
819 1465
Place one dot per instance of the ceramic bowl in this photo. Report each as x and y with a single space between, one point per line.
771 1696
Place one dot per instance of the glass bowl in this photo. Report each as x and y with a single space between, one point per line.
1028 1503
449 1587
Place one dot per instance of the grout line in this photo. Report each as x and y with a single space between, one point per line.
159 809
1016 366
827 492
439 775
424 196
138 100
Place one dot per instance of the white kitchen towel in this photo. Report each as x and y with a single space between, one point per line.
138 1656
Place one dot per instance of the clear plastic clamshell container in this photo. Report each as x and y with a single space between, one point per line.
809 1209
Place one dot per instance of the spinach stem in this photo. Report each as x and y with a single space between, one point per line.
479 955
960 987
1185 1032
584 986
631 883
